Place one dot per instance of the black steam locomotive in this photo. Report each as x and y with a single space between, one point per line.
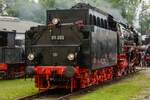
11 57
80 47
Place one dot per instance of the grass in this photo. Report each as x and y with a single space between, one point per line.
122 90
12 89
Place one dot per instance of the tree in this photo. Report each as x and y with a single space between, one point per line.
25 9
47 3
28 9
145 19
128 8
2 7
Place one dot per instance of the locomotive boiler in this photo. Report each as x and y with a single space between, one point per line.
80 47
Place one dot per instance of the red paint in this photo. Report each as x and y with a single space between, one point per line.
121 64
3 67
84 75
15 70
147 59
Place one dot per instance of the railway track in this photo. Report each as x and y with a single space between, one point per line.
59 94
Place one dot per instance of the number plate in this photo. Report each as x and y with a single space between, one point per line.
57 37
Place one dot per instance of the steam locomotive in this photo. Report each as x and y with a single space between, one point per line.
11 59
80 47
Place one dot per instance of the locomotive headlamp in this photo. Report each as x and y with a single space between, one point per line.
71 56
31 56
55 21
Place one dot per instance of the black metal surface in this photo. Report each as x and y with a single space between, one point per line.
104 48
68 15
3 39
1 55
9 54
53 51
54 55
95 44
7 38
148 51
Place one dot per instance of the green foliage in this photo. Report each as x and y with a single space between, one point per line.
12 8
128 8
145 24
1 6
47 3
145 19
26 9
117 3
